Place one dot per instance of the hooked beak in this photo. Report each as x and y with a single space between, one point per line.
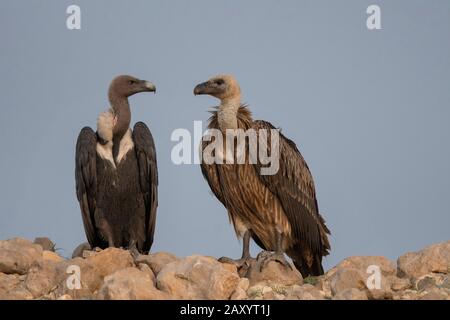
148 86
201 88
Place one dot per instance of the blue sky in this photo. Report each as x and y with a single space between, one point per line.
369 111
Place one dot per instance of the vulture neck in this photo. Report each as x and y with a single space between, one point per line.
227 113
122 113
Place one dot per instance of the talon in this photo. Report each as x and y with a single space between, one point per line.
266 256
134 252
239 263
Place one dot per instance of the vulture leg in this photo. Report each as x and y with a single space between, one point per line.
265 257
134 250
246 258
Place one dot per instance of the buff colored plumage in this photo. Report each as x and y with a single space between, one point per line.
279 212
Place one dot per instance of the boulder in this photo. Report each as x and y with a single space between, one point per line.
344 279
157 261
43 278
146 269
51 256
130 284
103 264
305 292
45 243
273 273
197 277
241 290
19 255
435 294
351 294
11 287
435 258
78 252
359 272
363 264
92 270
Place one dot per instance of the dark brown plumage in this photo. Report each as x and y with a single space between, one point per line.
279 211
116 174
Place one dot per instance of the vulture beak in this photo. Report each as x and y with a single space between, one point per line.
148 86
201 88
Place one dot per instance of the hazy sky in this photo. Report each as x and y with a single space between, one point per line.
369 111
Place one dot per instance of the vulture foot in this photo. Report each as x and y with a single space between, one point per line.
266 256
134 252
239 263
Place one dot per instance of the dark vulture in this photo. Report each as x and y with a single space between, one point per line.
279 211
116 174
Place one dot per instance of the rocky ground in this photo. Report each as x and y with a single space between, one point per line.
33 270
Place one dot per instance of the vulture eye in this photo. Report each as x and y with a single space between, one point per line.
132 82
219 82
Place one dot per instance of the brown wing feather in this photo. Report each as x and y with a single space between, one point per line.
211 175
86 180
148 177
294 186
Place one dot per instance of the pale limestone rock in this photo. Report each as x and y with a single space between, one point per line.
19 255
197 277
273 273
435 258
51 256
351 294
130 284
304 292
157 261
45 243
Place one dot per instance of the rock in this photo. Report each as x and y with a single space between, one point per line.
432 280
19 255
399 284
408 294
11 288
78 252
305 292
51 256
434 294
384 292
45 243
362 263
42 279
68 272
273 273
351 294
344 279
268 293
323 284
103 264
157 261
239 294
88 253
241 290
360 273
435 258
255 291
92 271
197 277
146 269
130 284
445 283
278 296
426 282
244 284
27 271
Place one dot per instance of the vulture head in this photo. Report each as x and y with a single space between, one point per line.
223 87
125 86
